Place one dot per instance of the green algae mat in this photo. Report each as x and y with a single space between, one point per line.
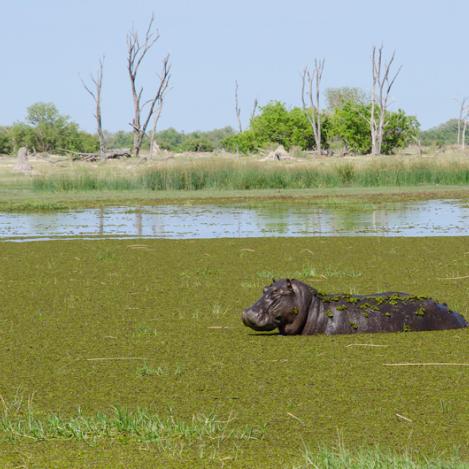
125 353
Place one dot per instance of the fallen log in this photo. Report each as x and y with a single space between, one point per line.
108 155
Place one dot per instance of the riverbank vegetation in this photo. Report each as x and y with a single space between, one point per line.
245 174
58 183
162 369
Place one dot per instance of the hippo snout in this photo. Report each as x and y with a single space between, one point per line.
257 321
247 316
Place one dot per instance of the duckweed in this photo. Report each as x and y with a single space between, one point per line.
93 348
420 311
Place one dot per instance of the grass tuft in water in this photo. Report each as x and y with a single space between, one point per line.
374 458
22 422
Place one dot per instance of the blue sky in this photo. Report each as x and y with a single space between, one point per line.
264 45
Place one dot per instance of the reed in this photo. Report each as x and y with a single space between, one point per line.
223 174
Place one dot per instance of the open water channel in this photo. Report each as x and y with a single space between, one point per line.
422 218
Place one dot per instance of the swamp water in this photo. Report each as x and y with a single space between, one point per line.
285 219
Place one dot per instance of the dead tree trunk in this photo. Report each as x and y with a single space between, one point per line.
463 133
154 148
136 52
463 111
254 109
382 83
237 108
310 98
96 95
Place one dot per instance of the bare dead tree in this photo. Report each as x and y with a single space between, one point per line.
254 109
310 98
95 93
463 133
382 83
237 108
136 52
153 144
463 114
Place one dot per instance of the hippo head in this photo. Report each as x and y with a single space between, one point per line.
284 304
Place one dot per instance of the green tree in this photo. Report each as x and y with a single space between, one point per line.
399 131
350 123
22 135
197 142
46 130
275 124
6 145
170 139
119 139
443 134
243 142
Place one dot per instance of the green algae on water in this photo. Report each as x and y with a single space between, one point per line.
97 325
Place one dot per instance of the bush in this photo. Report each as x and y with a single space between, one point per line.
275 124
244 142
400 130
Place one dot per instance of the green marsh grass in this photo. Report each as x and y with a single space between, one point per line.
223 174
374 458
140 424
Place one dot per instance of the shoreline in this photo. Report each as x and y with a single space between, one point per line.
27 200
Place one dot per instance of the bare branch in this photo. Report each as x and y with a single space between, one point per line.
254 109
97 81
237 108
310 98
136 53
382 83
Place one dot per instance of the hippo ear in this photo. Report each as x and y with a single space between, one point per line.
289 285
273 280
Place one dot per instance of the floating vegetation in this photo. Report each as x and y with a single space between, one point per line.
129 332
420 311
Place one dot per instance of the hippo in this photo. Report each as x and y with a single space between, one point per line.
296 308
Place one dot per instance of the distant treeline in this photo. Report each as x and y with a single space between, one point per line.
345 130
443 134
172 140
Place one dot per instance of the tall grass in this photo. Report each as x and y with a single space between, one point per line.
224 174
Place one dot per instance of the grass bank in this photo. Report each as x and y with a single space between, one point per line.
223 174
123 353
62 184
26 200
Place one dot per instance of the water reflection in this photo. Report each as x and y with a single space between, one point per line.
427 218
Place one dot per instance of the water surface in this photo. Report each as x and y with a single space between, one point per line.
422 218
